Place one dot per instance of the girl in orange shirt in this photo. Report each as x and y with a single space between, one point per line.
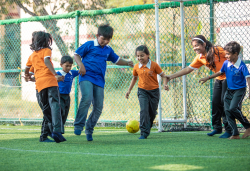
148 88
212 57
47 86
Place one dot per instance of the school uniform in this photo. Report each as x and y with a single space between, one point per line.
94 57
148 94
236 80
64 89
220 86
47 88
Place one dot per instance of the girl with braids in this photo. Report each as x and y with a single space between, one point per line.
213 57
46 85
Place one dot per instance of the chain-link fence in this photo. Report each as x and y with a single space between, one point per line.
219 21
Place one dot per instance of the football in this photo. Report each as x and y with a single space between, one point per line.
132 126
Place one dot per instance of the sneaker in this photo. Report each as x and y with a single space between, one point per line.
89 137
47 140
226 135
142 137
57 136
214 132
77 132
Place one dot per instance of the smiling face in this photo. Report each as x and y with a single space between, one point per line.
142 57
198 47
231 57
103 41
66 66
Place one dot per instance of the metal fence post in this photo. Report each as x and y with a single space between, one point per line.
212 41
76 46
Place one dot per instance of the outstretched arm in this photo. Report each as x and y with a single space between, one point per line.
82 70
125 62
133 81
203 80
185 71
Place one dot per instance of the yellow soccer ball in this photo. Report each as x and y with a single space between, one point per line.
132 126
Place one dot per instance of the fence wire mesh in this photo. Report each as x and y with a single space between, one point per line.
220 21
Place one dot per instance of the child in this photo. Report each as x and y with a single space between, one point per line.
46 84
91 57
148 88
213 57
236 73
66 84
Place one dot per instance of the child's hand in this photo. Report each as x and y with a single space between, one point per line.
82 70
127 94
131 64
59 78
27 77
167 78
203 80
166 87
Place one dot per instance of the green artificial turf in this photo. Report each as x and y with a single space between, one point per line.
116 149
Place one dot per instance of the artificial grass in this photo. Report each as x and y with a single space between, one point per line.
116 149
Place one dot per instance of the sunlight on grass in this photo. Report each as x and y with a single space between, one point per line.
176 167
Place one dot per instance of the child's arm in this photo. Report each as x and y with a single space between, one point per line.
125 62
82 70
203 80
165 82
248 82
27 76
51 68
133 81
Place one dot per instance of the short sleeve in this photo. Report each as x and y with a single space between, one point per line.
83 50
245 71
223 68
113 57
47 53
158 69
196 63
32 70
75 73
29 62
59 73
135 72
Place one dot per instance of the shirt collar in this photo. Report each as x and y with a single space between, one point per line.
236 65
148 64
96 43
65 73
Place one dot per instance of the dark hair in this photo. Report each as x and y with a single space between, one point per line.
106 31
142 48
209 48
40 40
233 47
65 59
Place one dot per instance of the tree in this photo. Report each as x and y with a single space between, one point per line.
40 8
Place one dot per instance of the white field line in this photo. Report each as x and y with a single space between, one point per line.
120 155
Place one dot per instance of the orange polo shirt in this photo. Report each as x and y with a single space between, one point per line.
147 75
200 60
44 77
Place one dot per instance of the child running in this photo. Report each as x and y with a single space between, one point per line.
236 72
66 84
91 57
148 88
46 85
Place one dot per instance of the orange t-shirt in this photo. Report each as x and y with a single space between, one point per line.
200 60
44 77
147 75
